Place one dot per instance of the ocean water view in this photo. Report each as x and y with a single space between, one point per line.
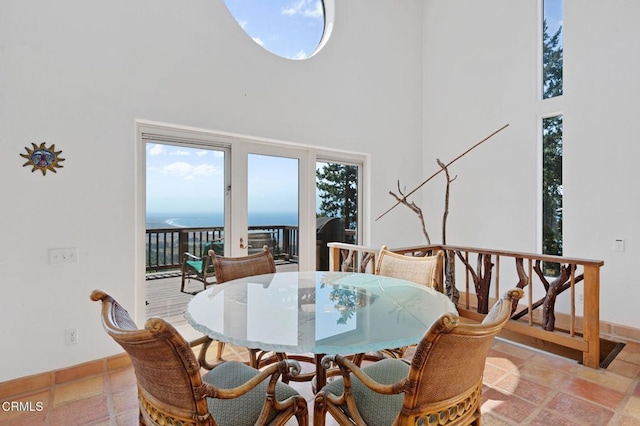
215 219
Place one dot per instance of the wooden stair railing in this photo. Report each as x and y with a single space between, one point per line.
535 317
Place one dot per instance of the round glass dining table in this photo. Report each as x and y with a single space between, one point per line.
317 312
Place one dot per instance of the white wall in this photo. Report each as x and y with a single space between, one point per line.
78 74
481 71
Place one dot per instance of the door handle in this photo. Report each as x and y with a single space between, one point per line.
242 246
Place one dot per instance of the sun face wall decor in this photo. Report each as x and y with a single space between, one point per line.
42 158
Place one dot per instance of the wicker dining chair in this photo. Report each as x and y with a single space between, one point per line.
171 390
232 268
425 270
441 386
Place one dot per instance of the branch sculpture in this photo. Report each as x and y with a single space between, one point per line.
414 207
482 282
439 171
449 256
481 279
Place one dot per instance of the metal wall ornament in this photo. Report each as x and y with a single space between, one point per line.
43 158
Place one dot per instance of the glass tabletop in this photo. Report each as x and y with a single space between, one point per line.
317 312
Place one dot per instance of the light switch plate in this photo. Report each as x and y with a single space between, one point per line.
63 255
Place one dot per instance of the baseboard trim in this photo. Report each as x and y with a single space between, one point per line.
46 380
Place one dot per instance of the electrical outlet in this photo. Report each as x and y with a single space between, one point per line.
618 245
71 336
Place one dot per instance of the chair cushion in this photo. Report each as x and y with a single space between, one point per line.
245 409
196 265
376 409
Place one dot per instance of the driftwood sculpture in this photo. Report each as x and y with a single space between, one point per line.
404 197
481 279
449 255
449 259
413 207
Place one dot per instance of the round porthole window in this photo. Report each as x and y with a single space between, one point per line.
292 29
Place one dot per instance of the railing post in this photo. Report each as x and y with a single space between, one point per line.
183 243
286 235
591 358
334 258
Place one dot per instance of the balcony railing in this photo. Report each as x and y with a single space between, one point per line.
164 246
487 273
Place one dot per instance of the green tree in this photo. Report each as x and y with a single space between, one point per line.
338 191
552 152
552 185
552 63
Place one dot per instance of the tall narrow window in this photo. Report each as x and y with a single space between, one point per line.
336 207
552 190
552 48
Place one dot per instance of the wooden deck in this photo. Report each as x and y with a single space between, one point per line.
165 300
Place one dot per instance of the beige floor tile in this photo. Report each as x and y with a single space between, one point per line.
605 378
632 407
624 368
78 390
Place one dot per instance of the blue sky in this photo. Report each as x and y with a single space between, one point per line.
191 180
288 28
183 179
553 13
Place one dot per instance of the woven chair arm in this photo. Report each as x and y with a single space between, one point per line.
273 371
347 368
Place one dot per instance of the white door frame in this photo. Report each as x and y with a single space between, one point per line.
236 222
240 152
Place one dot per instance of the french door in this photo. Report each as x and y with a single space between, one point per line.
270 192
252 193
255 192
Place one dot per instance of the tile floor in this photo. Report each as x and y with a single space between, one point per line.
522 387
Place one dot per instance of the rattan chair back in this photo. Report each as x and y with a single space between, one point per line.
448 365
425 270
231 268
166 369
442 385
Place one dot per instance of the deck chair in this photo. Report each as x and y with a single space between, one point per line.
171 390
232 268
200 268
441 386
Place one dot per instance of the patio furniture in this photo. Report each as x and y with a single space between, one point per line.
231 268
200 268
441 386
171 390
